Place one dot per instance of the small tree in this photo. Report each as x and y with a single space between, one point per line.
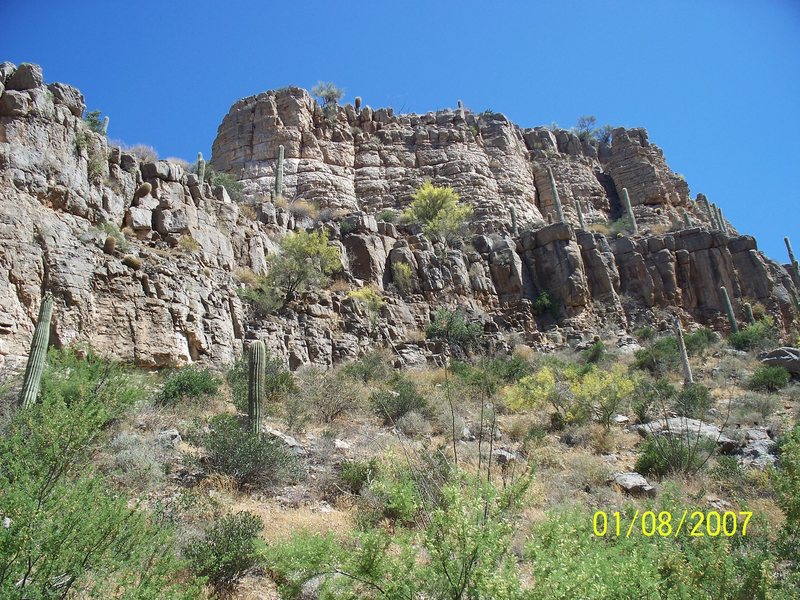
330 95
439 211
305 260
93 121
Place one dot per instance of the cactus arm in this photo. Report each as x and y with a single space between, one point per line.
687 368
726 303
556 198
626 200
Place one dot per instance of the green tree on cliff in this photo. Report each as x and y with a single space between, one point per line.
439 211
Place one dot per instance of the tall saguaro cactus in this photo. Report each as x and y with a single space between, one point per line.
279 174
687 368
105 125
37 355
201 168
726 303
514 225
723 226
626 200
255 384
556 198
578 209
792 259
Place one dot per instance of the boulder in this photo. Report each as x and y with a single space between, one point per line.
786 357
634 484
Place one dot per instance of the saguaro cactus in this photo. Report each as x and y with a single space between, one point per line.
726 303
687 220
578 209
792 259
255 384
201 168
358 104
279 174
687 368
723 226
556 199
514 227
626 200
748 313
37 355
105 125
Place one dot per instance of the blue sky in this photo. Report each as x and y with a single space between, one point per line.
716 82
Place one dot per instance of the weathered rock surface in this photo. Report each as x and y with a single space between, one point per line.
168 293
788 358
634 484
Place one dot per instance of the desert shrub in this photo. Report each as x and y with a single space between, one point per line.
439 211
545 305
601 392
328 394
397 399
188 243
693 401
490 374
302 209
787 489
403 278
251 459
413 424
569 561
762 404
652 398
392 495
659 357
698 342
769 379
673 455
188 383
464 550
278 382
229 182
228 549
68 532
387 215
594 353
644 334
355 475
134 461
330 95
371 302
452 328
621 226
143 152
373 366
760 335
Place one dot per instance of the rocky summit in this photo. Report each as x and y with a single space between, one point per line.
167 289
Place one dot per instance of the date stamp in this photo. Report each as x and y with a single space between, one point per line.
664 524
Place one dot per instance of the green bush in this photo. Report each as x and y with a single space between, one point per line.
399 398
769 379
355 474
392 495
698 342
693 401
673 455
659 357
229 182
69 532
387 215
568 561
652 398
229 549
760 335
452 328
594 353
491 373
403 278
373 366
249 458
644 334
787 489
188 383
545 305
94 121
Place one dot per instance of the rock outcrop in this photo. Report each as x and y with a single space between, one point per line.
166 290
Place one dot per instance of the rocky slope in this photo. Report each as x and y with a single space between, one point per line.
167 292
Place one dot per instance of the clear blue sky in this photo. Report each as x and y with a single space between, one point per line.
716 82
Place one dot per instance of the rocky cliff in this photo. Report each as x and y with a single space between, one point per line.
165 290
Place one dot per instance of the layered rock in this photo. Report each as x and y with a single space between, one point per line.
166 291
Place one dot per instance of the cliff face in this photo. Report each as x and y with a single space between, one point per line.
167 293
